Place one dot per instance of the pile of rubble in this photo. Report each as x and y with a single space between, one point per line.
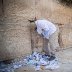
40 61
37 60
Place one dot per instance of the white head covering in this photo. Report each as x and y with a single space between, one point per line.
41 24
38 27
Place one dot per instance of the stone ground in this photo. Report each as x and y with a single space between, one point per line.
65 59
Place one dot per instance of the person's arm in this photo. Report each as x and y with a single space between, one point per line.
39 30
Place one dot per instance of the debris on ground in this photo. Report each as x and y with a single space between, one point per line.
37 60
40 61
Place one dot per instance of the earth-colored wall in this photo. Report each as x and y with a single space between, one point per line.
15 35
14 30
58 14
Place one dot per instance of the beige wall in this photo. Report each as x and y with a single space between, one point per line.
57 13
14 33
15 38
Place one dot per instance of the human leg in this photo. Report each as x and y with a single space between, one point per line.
46 49
54 45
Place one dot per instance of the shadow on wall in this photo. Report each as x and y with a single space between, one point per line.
66 2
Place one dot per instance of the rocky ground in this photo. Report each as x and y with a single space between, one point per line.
17 65
65 59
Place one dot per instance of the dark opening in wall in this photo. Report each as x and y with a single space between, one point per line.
66 2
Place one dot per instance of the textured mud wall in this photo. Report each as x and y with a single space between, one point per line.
15 34
58 14
15 31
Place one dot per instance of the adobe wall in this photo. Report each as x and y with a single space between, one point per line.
15 35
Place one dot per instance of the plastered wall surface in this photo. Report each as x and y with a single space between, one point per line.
15 34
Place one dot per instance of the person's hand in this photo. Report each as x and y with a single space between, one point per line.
35 28
32 20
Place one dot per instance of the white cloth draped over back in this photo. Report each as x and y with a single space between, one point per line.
48 27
